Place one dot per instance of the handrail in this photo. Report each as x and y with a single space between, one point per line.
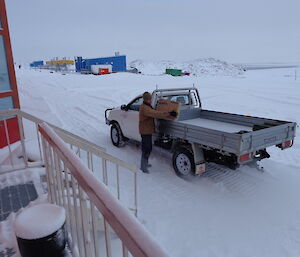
28 116
58 130
130 231
70 138
93 148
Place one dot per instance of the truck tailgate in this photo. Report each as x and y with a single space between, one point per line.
266 137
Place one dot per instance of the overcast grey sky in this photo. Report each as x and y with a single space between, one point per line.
231 30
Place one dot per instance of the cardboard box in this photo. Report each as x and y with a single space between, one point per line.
164 105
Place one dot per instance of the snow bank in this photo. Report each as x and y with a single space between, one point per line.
39 221
198 67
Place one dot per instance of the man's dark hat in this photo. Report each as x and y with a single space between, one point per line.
147 96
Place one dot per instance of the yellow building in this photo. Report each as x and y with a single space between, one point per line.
60 62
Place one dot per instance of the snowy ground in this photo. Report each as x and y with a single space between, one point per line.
224 213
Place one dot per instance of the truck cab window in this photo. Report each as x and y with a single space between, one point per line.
182 99
194 100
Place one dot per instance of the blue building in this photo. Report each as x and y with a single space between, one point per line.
118 63
36 64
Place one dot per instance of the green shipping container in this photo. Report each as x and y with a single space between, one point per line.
174 72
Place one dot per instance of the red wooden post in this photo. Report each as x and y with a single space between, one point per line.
12 93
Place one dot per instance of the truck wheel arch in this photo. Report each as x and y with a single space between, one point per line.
181 144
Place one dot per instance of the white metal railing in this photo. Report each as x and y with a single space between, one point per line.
98 224
119 176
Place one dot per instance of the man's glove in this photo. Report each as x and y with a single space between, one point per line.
173 114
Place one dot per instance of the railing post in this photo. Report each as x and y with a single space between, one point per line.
52 176
118 182
84 222
21 131
8 143
104 171
107 238
56 180
74 194
70 209
95 230
124 251
39 141
135 194
48 170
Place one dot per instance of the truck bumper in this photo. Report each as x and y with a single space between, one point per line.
107 121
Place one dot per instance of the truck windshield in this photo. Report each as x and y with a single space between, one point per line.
135 105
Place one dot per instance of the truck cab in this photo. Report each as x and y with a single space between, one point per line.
126 117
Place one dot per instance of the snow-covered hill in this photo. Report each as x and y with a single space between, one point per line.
198 67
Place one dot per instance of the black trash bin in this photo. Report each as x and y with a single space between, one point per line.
40 231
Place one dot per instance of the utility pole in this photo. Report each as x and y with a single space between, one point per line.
295 74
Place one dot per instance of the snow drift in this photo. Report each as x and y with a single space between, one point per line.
198 67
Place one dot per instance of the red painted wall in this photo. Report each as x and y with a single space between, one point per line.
13 128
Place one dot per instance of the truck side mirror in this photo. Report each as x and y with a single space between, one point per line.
124 107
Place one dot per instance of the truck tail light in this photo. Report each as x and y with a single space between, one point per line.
286 144
245 157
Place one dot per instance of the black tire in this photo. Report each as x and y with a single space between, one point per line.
116 135
183 162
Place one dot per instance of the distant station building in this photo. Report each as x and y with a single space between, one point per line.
57 64
9 98
117 63
54 64
36 64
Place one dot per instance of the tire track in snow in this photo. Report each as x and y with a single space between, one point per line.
87 114
107 100
246 181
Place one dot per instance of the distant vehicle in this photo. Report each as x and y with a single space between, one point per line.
100 69
200 136
174 72
133 70
185 73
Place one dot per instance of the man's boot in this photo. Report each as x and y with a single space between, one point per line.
144 167
148 165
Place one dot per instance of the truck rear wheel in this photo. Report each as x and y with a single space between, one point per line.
116 135
183 162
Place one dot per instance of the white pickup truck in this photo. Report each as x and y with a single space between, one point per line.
199 136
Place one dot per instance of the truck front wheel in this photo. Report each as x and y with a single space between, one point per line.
116 135
183 162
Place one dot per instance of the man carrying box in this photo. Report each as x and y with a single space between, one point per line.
147 127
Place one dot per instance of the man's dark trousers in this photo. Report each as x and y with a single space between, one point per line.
146 150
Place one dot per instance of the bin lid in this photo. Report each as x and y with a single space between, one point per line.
39 221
